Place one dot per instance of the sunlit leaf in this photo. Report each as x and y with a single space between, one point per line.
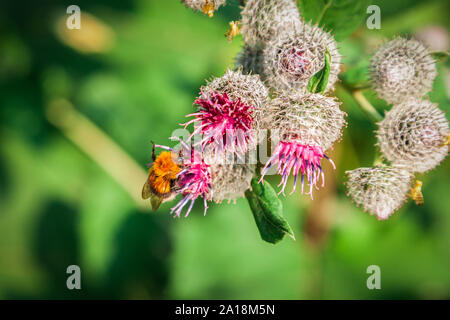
318 82
342 17
267 210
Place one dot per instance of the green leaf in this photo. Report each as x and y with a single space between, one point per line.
343 17
440 56
318 82
267 210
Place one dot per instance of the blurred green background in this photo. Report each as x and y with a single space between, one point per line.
134 74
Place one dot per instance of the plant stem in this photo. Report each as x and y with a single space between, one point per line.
367 106
99 147
325 8
258 164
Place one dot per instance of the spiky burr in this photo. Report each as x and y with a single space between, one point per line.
402 69
413 134
381 189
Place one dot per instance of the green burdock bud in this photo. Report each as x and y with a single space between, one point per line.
264 19
381 190
307 118
413 133
401 69
292 58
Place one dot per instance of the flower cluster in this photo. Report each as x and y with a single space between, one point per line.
283 82
287 52
268 90
413 135
227 111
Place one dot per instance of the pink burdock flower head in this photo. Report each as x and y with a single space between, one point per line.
228 111
225 124
307 125
249 88
298 159
193 180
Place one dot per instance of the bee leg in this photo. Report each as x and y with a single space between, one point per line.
153 151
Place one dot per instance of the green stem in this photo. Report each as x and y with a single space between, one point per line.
258 164
325 8
367 107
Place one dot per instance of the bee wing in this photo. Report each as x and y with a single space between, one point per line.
155 201
146 191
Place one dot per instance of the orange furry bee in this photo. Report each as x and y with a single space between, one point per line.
160 185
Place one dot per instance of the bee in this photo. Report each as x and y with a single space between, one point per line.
416 193
160 185
233 31
208 8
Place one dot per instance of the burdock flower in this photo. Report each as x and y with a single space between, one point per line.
292 58
299 159
264 19
413 134
193 181
206 6
229 179
227 108
381 190
309 118
307 124
401 69
248 88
